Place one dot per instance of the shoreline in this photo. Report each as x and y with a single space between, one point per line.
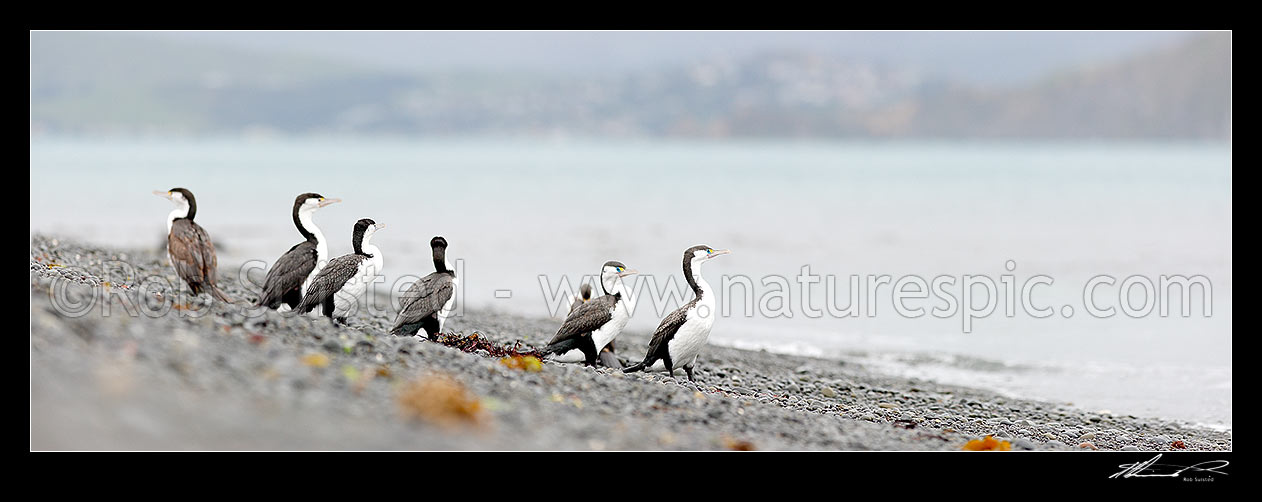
225 380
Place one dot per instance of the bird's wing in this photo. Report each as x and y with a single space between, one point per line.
289 271
424 297
588 317
330 279
210 263
184 249
666 331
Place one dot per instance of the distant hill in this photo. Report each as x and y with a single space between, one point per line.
108 83
1182 91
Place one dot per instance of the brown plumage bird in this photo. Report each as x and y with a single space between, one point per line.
188 245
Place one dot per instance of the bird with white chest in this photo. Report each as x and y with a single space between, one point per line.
289 277
595 323
683 333
608 358
189 249
339 285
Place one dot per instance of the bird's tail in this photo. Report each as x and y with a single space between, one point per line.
636 367
560 347
302 308
405 329
219 294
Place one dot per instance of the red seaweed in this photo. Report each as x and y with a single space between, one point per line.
475 342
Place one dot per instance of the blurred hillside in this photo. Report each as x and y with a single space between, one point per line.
113 83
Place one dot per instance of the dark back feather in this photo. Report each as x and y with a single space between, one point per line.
425 297
288 273
588 317
330 280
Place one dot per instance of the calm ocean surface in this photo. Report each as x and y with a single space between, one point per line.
514 210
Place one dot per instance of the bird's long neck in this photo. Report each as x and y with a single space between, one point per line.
309 230
371 250
440 261
306 226
361 242
179 212
692 272
614 286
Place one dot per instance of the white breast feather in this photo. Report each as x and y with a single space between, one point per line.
601 336
446 309
691 337
347 299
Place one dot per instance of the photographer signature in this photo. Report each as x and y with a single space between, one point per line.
1137 470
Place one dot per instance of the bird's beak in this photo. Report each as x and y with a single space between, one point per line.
628 272
718 252
162 193
326 202
380 226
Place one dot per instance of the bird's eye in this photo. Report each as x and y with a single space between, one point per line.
709 251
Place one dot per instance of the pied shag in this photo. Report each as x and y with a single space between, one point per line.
338 286
293 271
596 322
607 356
682 334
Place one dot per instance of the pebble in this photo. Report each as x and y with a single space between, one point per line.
1024 444
1130 447
827 392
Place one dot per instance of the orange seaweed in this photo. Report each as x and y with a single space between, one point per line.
989 443
738 444
524 363
441 400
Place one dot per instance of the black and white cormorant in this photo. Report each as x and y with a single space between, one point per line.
682 334
188 245
289 276
337 287
427 303
596 322
607 356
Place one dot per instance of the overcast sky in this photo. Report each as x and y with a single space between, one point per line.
978 57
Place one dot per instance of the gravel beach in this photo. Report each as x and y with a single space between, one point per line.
214 376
